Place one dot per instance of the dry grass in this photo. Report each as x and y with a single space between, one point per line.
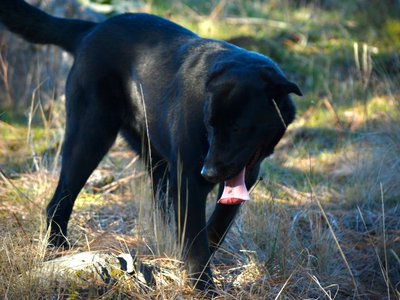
322 224
283 245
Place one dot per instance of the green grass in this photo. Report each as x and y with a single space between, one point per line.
324 221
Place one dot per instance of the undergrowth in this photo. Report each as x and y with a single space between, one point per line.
323 222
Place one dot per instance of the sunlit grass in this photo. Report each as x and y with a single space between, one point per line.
329 195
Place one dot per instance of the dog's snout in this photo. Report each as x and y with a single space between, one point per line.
209 173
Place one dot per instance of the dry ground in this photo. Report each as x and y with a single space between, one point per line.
324 221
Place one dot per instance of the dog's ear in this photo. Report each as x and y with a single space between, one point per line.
215 76
278 83
288 87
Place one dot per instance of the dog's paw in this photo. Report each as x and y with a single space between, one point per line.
206 287
203 283
58 241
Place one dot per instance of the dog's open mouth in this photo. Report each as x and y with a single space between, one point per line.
235 190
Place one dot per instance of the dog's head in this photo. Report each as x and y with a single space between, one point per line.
246 113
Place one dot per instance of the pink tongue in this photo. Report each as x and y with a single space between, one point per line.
235 191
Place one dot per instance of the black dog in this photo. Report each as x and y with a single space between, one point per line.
197 110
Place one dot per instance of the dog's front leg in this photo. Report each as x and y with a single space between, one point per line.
189 199
224 215
219 223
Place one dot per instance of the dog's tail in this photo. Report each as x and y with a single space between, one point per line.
38 27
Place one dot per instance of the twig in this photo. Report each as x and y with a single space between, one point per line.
247 21
284 285
279 113
330 107
9 126
109 187
9 182
218 9
257 21
20 225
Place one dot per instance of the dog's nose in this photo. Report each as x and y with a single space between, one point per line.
209 173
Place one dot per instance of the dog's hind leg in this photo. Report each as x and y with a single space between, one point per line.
157 168
160 182
91 130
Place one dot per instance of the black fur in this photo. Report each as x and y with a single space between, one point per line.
36 26
206 106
